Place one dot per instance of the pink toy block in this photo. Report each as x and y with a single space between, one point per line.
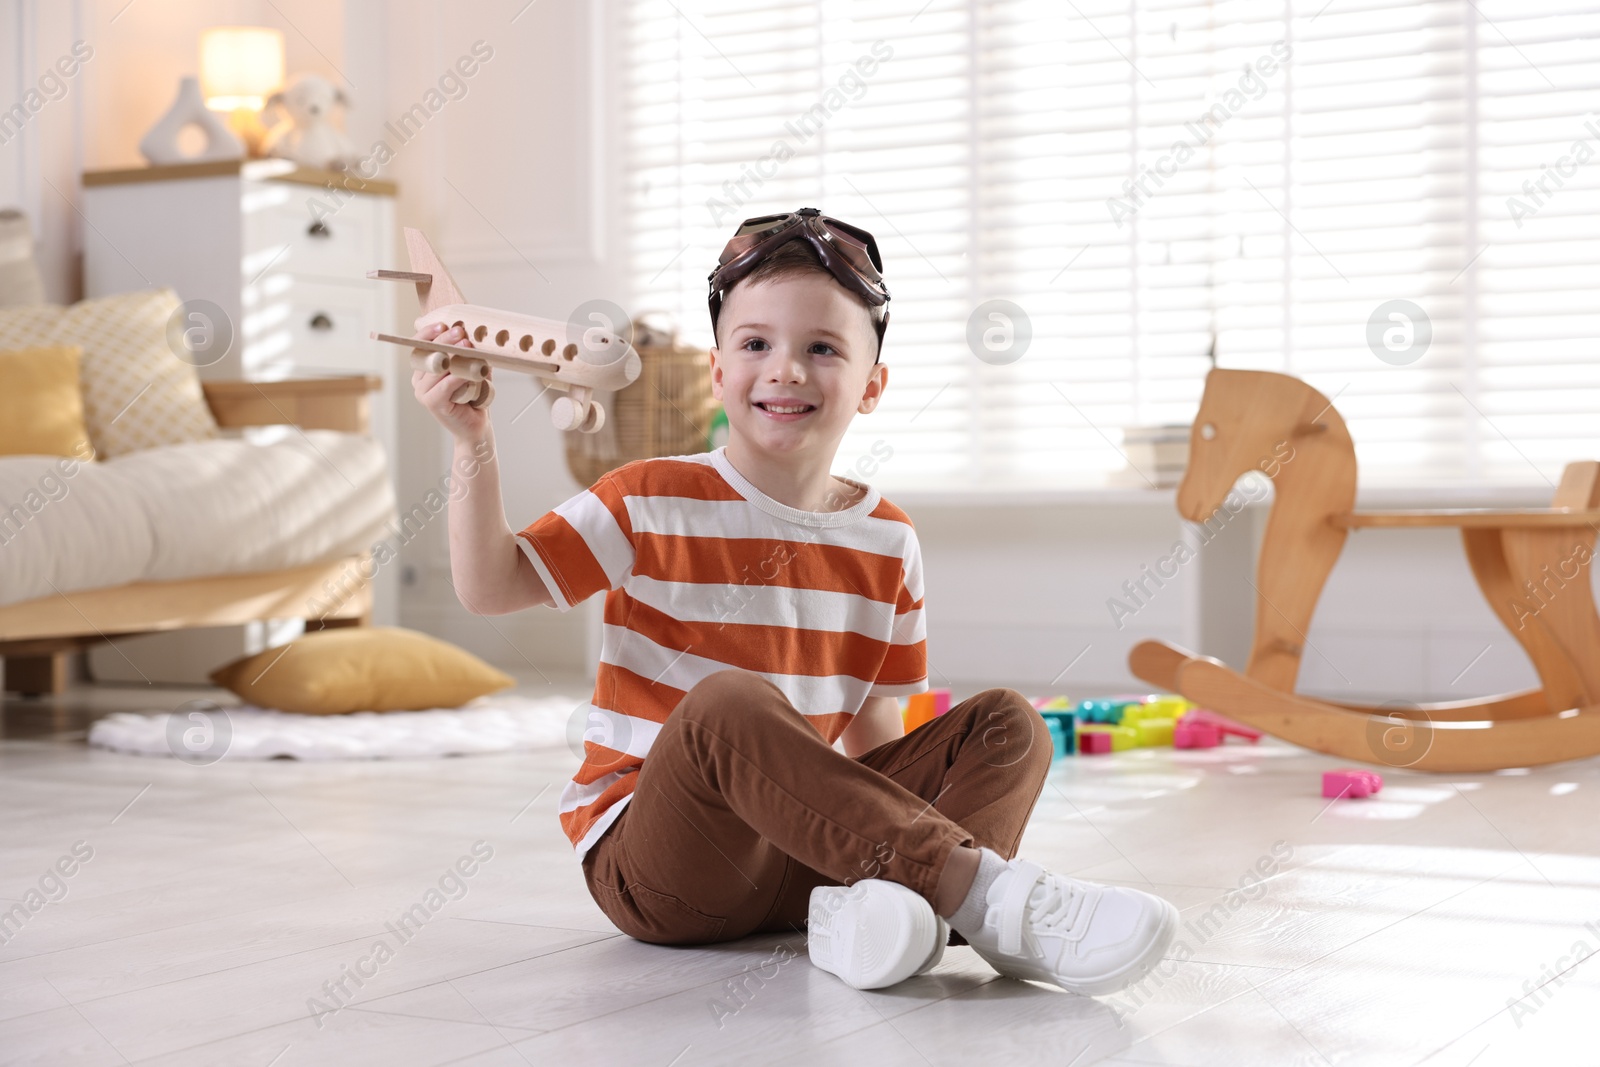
1212 722
1094 743
1350 783
1195 734
941 701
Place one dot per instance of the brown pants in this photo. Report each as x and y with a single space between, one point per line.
742 809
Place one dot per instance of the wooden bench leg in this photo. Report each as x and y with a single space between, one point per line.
35 675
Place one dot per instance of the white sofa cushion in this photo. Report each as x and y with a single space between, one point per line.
66 524
225 506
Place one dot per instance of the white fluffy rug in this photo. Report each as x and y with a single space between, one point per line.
202 732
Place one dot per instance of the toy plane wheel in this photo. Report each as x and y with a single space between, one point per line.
475 370
485 394
567 413
596 419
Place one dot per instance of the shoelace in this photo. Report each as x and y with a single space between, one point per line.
1057 903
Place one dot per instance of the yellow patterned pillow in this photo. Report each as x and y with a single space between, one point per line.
136 392
41 406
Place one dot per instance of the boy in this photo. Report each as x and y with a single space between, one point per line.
758 610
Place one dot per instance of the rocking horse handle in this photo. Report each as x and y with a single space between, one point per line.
1158 663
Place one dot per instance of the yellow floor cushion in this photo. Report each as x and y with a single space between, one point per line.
41 405
361 668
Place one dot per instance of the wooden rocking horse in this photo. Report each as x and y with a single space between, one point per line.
1532 565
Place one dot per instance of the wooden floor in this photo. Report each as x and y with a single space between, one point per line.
1445 922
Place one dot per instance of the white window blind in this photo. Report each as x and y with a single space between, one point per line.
1147 182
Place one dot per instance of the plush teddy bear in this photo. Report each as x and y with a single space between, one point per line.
310 138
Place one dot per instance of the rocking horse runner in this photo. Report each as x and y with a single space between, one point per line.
1531 563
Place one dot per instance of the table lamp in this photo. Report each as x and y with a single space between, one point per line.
240 66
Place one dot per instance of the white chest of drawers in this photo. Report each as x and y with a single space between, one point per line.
280 253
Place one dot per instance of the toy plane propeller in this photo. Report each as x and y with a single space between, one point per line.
527 344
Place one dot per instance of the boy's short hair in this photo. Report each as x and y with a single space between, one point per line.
798 257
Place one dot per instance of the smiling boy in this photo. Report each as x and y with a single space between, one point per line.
759 609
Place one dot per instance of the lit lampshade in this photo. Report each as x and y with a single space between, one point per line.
240 66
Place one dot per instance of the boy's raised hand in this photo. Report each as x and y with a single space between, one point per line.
434 390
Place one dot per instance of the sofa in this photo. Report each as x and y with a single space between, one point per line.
143 501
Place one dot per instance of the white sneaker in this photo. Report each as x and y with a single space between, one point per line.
873 933
1086 938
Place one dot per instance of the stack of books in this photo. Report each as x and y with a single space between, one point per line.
1159 453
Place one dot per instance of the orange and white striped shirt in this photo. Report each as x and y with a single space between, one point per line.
706 572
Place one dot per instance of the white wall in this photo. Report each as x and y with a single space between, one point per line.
508 183
140 50
518 183
39 162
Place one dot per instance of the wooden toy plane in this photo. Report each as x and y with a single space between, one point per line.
526 344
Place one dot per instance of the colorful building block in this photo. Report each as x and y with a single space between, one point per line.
1227 727
1349 782
1103 710
1122 737
1094 743
1139 712
1190 734
1165 706
1060 739
1203 728
920 709
1154 733
924 707
1063 730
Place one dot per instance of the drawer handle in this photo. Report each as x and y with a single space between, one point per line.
320 321
318 229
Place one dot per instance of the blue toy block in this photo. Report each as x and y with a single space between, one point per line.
1106 711
1060 743
1063 727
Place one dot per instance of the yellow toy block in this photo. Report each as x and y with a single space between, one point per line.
1154 733
1157 707
1122 737
1168 706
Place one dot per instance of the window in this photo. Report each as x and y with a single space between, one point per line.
1149 183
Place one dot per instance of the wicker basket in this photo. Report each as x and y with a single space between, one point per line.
666 411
